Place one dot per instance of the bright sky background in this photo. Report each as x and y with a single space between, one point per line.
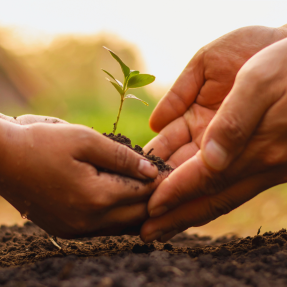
167 32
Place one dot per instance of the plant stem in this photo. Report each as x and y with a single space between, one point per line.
118 117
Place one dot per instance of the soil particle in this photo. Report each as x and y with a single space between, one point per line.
258 240
28 258
160 164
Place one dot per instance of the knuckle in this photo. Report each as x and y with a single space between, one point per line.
82 136
215 184
88 204
274 156
211 183
100 203
121 157
164 142
180 223
217 206
258 76
176 102
233 131
178 194
80 226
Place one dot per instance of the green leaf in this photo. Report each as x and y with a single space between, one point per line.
118 88
109 74
140 80
130 96
133 73
125 68
119 83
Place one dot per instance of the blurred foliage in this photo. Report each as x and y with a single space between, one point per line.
74 86
99 110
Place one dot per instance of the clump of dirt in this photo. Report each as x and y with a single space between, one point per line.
28 258
160 164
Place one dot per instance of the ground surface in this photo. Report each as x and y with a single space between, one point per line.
29 259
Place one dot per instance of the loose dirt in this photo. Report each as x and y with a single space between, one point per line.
28 259
161 165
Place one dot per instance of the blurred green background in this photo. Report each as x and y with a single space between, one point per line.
66 81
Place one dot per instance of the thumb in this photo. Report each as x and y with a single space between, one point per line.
103 152
234 123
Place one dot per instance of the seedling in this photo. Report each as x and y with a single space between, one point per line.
132 80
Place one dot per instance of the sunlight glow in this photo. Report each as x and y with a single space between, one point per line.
168 33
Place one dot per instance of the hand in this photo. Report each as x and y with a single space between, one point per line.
182 116
49 173
246 141
32 119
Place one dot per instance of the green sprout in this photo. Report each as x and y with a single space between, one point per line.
132 80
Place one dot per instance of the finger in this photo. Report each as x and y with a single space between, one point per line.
203 210
183 154
103 152
189 181
182 94
172 137
9 119
241 112
173 140
119 190
113 222
122 190
31 119
117 220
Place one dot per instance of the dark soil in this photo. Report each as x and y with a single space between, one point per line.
161 165
28 258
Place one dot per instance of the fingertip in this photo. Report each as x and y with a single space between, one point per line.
158 211
154 123
215 156
149 232
147 169
157 204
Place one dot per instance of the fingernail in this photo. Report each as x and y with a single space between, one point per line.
215 155
158 211
147 169
168 235
153 236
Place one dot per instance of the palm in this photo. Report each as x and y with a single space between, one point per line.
184 113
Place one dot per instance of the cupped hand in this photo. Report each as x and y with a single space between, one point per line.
243 151
49 173
32 119
183 114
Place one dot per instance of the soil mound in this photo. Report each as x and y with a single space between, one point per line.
28 258
161 165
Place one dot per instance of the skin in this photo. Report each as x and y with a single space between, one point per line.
210 99
48 172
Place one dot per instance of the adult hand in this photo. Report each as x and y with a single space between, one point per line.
246 141
32 119
182 116
49 173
